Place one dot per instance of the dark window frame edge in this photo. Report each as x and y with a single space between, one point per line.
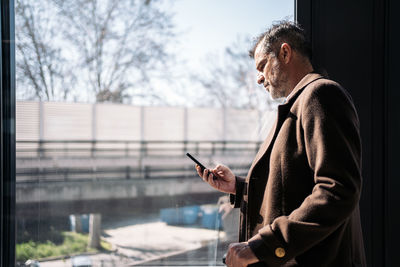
7 138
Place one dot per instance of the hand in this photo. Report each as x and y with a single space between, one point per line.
225 179
240 255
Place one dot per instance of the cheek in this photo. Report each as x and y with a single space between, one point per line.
275 69
272 72
269 71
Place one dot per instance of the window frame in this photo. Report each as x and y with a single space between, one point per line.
7 137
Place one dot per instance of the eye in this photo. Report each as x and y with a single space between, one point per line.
262 65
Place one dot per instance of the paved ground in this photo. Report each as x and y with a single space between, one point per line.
146 241
156 244
151 241
98 260
205 256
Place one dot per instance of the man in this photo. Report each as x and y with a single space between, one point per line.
299 201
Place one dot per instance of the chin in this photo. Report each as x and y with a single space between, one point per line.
276 94
277 99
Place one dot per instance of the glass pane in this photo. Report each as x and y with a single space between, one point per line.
111 96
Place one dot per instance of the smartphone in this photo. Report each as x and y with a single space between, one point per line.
198 163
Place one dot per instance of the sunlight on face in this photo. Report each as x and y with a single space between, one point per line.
271 73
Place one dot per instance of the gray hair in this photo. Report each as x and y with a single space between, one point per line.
283 32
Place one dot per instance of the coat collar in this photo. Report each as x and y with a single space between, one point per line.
282 112
306 80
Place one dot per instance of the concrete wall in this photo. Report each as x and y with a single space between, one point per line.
98 190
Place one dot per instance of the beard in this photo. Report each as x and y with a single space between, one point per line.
278 81
277 92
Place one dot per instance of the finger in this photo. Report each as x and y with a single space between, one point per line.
230 253
215 176
217 168
228 259
220 167
199 172
234 248
205 175
211 180
220 171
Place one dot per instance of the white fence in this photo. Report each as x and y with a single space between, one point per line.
77 121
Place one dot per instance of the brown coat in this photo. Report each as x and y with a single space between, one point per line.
299 201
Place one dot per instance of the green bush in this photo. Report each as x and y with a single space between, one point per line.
73 243
26 251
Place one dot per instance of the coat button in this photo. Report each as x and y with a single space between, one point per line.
280 252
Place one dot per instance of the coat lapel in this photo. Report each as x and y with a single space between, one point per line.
282 114
263 148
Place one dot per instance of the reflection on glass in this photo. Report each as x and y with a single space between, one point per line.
111 95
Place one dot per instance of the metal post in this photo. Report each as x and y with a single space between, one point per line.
40 150
127 149
41 130
143 149
93 148
146 172
185 142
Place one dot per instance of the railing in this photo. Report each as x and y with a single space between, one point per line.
67 160
112 148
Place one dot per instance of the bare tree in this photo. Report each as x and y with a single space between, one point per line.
230 79
118 45
42 71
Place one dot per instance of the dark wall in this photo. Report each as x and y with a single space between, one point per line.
355 42
393 135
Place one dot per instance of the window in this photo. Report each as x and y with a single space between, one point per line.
110 97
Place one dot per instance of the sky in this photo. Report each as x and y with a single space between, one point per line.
212 25
209 26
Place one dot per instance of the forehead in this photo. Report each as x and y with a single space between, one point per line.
259 56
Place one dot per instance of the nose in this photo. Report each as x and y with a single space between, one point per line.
260 78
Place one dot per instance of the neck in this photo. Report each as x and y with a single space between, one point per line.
297 74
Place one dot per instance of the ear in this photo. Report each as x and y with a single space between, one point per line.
286 53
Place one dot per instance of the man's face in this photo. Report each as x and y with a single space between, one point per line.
271 73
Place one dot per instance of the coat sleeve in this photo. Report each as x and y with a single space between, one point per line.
333 148
236 199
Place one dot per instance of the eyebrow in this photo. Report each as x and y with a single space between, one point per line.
261 64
